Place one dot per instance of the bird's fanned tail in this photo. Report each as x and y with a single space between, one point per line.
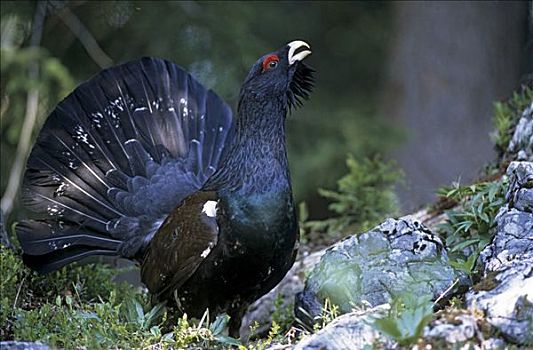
115 157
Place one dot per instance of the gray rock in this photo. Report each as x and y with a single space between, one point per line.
463 328
493 344
396 257
22 345
522 141
508 263
350 331
520 191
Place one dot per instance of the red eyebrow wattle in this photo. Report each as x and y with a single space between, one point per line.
269 59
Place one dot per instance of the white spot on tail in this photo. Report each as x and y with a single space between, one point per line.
210 209
184 109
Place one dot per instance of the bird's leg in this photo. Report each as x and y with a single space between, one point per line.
236 313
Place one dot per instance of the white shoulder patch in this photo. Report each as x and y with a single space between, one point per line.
210 208
206 252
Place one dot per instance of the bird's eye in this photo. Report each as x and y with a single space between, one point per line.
270 62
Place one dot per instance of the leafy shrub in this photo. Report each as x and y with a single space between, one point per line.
364 197
468 225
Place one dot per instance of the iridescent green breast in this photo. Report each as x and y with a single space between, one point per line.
263 221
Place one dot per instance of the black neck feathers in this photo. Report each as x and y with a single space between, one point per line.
257 159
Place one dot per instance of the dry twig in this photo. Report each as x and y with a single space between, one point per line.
30 117
83 34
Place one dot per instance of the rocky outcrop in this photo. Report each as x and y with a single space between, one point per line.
521 143
23 345
350 331
463 327
373 268
460 328
500 306
505 294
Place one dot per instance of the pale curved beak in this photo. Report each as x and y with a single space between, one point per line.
298 50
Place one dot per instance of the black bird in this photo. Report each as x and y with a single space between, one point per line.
143 162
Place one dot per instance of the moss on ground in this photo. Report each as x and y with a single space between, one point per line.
81 306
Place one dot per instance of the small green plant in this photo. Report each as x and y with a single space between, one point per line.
364 197
467 227
144 321
273 332
203 335
275 335
329 312
218 328
506 115
406 319
283 315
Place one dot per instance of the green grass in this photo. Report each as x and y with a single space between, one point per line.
81 306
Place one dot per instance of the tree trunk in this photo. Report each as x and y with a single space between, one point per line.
449 62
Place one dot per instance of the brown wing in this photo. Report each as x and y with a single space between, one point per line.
181 244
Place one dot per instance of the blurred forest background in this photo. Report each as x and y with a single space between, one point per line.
411 81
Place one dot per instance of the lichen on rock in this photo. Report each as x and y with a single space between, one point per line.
508 262
23 345
350 331
375 267
457 329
